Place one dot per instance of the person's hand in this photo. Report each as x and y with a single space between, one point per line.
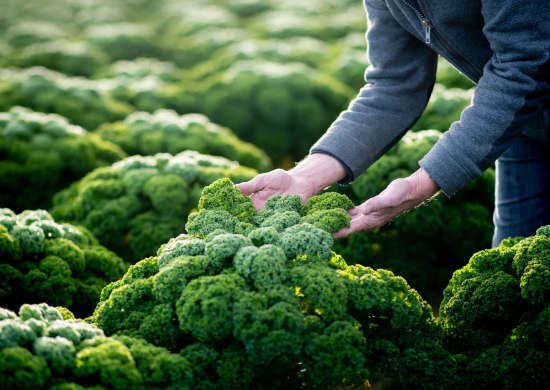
400 196
308 178
277 182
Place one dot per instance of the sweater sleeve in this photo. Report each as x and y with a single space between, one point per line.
512 90
399 81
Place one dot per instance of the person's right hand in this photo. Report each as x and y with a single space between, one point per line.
277 182
306 179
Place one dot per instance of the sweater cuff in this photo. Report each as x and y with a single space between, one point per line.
445 170
350 152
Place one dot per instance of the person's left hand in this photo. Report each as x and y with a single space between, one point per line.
399 196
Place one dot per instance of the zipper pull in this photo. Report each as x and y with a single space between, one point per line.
427 30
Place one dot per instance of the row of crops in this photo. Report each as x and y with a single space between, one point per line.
251 299
129 260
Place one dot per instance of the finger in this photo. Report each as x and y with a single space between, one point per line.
342 233
251 186
363 223
346 231
354 227
355 211
371 205
357 224
392 197
258 200
386 200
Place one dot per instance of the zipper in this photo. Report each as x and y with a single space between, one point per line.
428 30
426 25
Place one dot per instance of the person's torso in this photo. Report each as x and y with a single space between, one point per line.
454 29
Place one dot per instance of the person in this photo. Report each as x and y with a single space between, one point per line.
504 48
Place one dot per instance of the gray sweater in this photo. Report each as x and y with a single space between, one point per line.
501 45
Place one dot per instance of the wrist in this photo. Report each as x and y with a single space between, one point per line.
423 187
318 171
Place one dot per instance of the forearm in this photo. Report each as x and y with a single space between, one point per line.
511 92
399 81
319 171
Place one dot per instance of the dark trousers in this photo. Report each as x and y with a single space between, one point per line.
522 195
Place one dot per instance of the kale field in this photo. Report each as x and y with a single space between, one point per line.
130 260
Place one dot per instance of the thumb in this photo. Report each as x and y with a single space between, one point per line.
371 205
251 186
356 225
355 211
